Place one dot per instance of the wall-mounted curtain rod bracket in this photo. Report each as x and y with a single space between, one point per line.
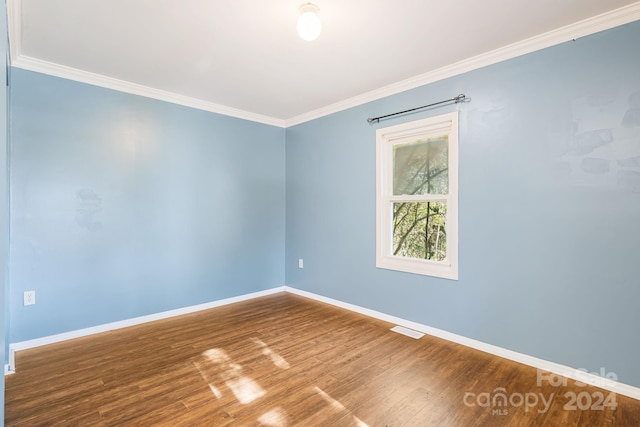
456 99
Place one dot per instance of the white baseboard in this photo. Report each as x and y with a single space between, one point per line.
543 365
11 366
23 345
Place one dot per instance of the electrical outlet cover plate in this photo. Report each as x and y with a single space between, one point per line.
29 297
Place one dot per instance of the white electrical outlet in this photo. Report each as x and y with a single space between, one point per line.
300 263
29 297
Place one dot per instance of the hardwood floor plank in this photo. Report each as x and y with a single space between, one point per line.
283 360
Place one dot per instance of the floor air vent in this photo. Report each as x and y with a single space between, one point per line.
408 332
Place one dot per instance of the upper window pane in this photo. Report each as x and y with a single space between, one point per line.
421 167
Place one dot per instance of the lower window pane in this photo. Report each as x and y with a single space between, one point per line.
420 230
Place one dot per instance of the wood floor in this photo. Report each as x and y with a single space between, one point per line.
284 360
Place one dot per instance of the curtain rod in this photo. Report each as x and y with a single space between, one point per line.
456 99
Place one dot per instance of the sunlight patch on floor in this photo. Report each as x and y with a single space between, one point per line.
330 399
245 389
216 391
216 368
274 418
339 406
277 360
216 364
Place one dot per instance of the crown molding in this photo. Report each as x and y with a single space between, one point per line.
605 21
32 64
14 26
17 59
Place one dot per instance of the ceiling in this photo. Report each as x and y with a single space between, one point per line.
244 58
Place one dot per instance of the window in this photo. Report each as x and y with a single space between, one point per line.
417 197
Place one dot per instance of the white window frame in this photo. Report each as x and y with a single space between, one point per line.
386 139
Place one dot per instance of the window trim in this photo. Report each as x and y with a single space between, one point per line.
386 138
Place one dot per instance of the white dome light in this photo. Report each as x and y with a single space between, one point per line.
309 25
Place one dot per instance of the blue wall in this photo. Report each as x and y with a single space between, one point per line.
124 206
549 206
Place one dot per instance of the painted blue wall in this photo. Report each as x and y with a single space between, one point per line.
549 206
123 206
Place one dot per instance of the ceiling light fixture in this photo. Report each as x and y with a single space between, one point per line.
309 25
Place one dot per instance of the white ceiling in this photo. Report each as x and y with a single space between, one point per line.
244 58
